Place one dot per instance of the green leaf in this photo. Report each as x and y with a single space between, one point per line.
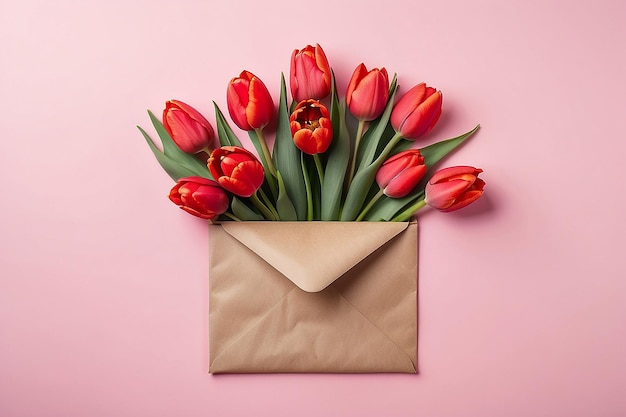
338 160
359 188
287 157
173 168
243 212
191 162
387 208
435 152
225 134
372 141
285 208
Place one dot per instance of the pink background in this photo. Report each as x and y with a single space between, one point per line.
103 287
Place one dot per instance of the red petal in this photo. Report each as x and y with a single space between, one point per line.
322 138
405 182
302 139
442 195
260 107
466 199
453 172
355 80
237 101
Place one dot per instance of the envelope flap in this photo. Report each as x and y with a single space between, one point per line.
313 254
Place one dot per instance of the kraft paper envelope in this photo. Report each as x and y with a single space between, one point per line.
313 297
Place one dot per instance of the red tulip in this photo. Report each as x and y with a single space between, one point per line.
454 188
310 74
401 173
311 127
417 111
237 170
367 93
199 196
188 128
250 104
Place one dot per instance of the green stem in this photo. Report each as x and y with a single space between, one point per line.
410 211
259 204
320 168
357 142
388 148
231 216
268 164
307 186
369 205
266 151
269 204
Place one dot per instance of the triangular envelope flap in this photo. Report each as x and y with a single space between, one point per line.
313 254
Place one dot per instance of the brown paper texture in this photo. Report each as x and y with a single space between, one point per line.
338 297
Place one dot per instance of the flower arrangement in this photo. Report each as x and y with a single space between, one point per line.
335 157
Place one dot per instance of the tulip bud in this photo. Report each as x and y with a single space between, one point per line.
310 76
250 104
189 130
367 93
199 196
237 170
311 127
417 111
401 173
454 188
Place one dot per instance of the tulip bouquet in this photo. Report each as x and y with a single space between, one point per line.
335 157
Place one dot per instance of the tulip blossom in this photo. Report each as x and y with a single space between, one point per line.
250 104
366 98
237 170
311 127
310 75
199 196
454 188
189 130
397 177
367 93
417 111
401 173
